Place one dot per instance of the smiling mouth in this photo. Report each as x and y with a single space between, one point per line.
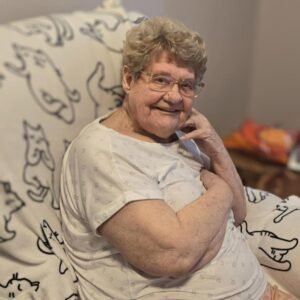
168 110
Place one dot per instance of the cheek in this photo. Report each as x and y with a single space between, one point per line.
138 105
188 106
187 111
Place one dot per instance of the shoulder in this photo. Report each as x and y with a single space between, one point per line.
93 140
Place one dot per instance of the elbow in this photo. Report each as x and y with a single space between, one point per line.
181 267
173 264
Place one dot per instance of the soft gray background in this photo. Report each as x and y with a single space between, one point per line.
253 48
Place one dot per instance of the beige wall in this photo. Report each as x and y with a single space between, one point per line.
252 49
275 91
227 28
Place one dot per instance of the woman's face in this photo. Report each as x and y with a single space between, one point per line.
157 113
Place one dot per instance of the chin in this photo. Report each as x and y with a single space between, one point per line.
162 130
164 134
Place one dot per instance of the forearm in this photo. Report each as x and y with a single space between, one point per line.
161 242
192 239
203 221
223 166
212 250
199 128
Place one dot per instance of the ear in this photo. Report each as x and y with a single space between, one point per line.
127 79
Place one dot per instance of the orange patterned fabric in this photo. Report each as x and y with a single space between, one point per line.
270 143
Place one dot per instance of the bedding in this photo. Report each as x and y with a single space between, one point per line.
57 73
272 231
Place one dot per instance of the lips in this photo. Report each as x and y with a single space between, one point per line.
168 109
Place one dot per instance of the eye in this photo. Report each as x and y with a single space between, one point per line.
187 85
161 80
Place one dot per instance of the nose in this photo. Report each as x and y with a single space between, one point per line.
174 96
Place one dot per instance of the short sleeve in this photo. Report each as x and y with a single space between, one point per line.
106 181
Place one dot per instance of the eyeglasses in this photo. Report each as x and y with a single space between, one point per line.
164 83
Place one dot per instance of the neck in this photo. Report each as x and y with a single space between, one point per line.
126 125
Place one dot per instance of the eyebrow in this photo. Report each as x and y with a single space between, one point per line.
168 74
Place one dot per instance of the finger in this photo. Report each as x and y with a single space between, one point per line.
195 113
188 128
195 134
197 120
190 124
191 119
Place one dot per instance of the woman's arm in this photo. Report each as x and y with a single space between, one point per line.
161 242
200 129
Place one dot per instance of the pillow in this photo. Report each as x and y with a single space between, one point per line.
273 235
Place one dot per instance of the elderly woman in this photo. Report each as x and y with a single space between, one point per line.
143 218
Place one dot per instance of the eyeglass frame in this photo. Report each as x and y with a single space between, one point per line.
171 84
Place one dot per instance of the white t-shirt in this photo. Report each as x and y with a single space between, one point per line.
104 170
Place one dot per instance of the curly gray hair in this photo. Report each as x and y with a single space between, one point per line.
155 35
